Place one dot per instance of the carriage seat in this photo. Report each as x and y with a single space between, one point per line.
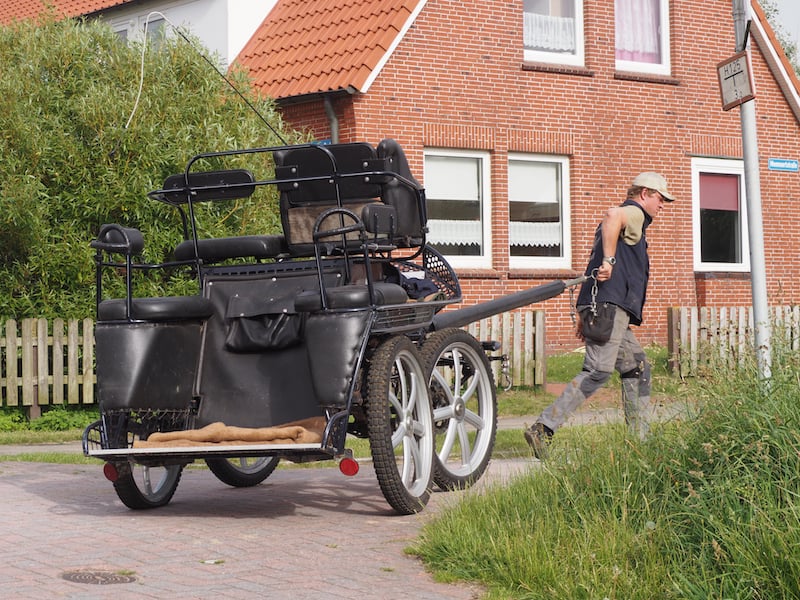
168 308
244 246
351 296
314 179
116 239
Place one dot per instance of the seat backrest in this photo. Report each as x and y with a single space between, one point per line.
206 185
312 179
406 196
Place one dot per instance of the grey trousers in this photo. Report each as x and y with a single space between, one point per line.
623 353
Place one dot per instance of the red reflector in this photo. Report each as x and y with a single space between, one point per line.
348 466
110 471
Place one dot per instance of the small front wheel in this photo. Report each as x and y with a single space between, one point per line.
140 486
400 425
243 471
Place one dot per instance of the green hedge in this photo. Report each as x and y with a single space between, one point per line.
67 90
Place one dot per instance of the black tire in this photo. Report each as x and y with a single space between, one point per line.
243 471
399 419
464 400
141 487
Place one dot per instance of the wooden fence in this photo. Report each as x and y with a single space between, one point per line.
43 362
52 362
698 336
522 337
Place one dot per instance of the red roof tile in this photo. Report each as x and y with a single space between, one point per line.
19 10
326 45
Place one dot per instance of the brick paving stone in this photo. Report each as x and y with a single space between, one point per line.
303 533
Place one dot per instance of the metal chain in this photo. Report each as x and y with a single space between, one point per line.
593 305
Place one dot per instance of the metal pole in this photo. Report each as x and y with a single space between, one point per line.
752 182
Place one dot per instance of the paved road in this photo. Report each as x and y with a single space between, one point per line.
302 534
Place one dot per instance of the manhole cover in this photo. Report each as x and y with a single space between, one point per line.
97 577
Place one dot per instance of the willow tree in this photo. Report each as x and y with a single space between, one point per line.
74 153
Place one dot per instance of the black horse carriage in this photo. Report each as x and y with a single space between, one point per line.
292 342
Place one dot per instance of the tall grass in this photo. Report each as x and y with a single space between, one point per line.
705 508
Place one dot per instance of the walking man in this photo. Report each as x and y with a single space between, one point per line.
609 302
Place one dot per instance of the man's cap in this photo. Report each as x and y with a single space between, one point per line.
654 181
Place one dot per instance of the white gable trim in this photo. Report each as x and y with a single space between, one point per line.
776 65
388 54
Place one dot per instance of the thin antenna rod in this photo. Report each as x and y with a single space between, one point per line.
205 58
230 83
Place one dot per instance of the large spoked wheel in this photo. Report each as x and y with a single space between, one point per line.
464 402
400 425
243 471
141 486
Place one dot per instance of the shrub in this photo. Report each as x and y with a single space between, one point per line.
12 420
70 164
62 418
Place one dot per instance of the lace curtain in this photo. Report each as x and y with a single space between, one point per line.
637 27
552 34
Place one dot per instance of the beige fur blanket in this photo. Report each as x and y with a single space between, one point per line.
306 431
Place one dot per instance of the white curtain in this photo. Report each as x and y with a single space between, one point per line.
637 27
459 233
554 34
534 234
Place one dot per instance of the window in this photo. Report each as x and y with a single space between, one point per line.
719 216
642 34
538 198
156 29
553 31
458 201
132 29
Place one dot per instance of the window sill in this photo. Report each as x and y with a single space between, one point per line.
646 78
477 273
557 68
542 273
731 275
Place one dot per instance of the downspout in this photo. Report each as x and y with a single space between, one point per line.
332 119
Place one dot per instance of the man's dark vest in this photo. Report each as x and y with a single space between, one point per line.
627 287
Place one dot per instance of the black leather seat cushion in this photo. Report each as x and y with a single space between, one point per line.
169 308
351 296
245 246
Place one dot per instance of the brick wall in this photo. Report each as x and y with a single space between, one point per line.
458 80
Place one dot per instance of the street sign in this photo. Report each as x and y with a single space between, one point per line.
784 164
735 82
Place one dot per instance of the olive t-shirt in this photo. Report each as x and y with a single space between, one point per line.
632 232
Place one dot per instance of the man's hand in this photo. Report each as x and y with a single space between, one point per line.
604 271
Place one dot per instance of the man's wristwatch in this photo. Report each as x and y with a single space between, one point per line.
610 260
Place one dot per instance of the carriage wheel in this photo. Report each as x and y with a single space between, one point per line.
464 402
400 425
140 486
243 471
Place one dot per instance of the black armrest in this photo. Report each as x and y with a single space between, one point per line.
118 239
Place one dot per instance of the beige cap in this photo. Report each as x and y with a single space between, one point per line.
654 181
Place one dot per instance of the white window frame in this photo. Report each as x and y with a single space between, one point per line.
484 260
547 262
722 167
577 59
665 66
